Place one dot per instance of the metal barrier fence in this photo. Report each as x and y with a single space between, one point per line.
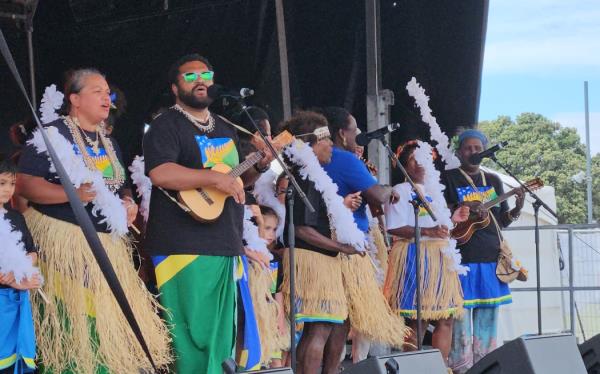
571 258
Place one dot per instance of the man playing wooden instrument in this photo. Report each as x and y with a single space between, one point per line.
195 260
483 291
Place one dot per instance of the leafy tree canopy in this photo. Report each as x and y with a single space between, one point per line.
539 147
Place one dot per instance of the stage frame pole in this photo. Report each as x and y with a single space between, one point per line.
571 291
377 100
588 155
30 57
31 8
283 60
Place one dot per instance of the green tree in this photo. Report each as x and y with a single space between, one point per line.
541 148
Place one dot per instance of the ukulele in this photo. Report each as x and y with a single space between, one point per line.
465 230
206 204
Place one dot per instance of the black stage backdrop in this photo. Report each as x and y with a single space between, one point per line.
134 42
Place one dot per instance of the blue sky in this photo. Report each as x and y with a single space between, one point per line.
537 55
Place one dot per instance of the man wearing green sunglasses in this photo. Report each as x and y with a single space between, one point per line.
193 76
195 261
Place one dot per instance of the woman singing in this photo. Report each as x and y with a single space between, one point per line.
82 328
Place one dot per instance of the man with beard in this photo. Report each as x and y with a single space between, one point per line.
195 261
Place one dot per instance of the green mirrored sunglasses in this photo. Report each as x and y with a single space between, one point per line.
194 76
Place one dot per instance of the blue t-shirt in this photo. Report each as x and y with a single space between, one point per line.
351 175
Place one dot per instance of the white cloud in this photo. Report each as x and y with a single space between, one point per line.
577 120
543 55
542 36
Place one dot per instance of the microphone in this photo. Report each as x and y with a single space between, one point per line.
488 153
364 138
216 91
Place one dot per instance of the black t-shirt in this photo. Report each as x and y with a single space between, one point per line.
38 165
17 221
173 138
484 245
303 216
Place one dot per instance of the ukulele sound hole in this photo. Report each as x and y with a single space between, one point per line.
206 197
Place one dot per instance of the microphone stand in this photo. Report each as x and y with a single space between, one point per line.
291 234
417 203
536 210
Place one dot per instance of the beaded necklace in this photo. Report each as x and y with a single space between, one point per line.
117 180
210 121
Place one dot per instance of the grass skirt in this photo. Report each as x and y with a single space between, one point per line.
83 329
331 289
382 249
266 311
441 294
320 295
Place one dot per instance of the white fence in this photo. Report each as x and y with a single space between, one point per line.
570 299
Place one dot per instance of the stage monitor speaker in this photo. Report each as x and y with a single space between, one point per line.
422 362
590 353
540 354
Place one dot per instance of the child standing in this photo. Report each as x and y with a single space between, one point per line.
17 337
267 229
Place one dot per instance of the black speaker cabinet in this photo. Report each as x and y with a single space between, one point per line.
540 354
590 353
421 362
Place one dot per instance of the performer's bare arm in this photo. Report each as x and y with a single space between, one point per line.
40 191
381 194
408 232
175 177
312 236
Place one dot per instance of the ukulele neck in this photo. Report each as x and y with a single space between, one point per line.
246 164
500 199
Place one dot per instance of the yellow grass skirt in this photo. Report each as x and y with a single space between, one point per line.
320 295
82 328
267 311
382 249
331 289
441 293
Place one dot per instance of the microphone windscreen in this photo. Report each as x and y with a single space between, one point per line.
475 159
215 91
362 139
